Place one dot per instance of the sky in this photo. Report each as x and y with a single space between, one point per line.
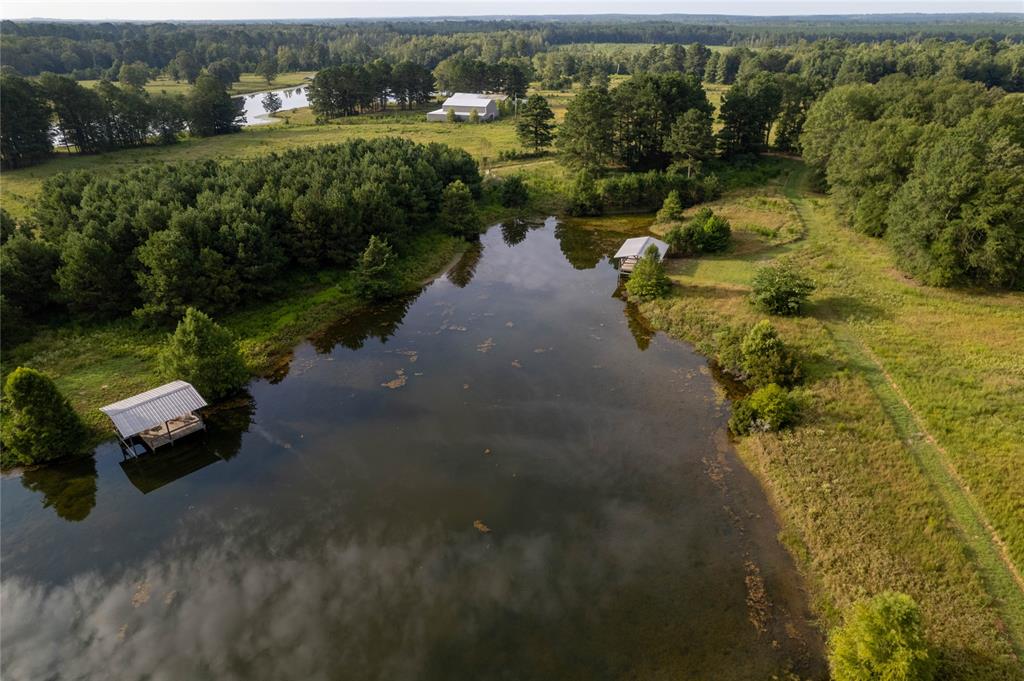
143 10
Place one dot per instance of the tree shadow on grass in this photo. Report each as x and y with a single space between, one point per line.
846 309
967 663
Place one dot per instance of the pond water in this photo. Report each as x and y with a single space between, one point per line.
256 114
508 476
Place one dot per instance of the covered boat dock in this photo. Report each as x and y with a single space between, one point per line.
157 417
633 249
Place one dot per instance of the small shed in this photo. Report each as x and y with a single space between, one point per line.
462 104
157 417
633 249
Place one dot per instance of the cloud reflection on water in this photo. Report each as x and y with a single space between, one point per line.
259 605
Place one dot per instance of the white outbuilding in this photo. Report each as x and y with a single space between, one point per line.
635 248
462 104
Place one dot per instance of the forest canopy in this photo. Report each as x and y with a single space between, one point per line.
158 239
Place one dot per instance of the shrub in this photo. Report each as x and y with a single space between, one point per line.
780 289
648 279
714 234
710 187
769 408
512 192
671 209
38 422
765 358
375 274
474 117
728 349
450 116
584 198
205 354
704 233
458 212
882 638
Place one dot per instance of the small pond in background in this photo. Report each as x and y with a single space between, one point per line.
256 114
332 523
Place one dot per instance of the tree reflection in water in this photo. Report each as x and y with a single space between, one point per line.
379 321
222 440
638 325
514 231
462 272
68 488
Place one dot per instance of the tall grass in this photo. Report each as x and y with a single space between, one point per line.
867 503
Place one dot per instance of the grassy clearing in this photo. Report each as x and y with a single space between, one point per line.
98 364
867 502
249 82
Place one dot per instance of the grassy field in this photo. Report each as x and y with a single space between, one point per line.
249 82
907 468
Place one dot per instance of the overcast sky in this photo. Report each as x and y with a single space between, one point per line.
299 9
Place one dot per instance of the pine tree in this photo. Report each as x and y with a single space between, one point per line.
205 354
535 127
671 208
375 273
584 136
690 141
648 279
38 424
458 211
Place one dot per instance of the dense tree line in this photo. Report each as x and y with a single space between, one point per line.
98 50
934 165
822 64
631 124
35 114
467 74
355 88
161 238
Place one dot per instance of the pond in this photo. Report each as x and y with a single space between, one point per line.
507 476
256 114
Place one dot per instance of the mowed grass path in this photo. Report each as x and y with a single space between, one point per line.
907 469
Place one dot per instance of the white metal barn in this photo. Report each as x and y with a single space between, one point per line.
158 416
633 249
463 104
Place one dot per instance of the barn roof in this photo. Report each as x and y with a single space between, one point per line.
637 246
467 99
153 407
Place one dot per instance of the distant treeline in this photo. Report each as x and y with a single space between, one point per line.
37 113
87 50
160 238
824 62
